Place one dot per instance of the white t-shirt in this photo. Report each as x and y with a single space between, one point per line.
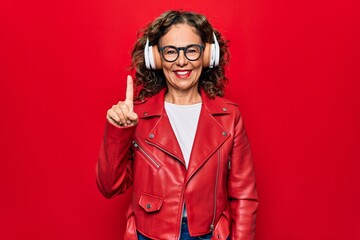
184 120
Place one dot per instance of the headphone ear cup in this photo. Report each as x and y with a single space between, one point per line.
216 51
207 55
156 58
211 56
209 59
146 55
151 56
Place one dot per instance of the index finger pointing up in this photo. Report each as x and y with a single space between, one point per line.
129 91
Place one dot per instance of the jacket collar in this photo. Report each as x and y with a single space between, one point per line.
154 106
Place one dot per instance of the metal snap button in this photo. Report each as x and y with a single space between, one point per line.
224 109
148 206
151 135
224 133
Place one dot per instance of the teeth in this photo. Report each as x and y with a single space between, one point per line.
182 72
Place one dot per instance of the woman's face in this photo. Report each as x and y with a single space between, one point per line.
182 74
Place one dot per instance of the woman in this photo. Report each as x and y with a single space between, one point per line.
180 145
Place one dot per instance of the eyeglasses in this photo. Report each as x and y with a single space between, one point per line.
192 52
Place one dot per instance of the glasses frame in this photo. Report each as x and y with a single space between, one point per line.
178 49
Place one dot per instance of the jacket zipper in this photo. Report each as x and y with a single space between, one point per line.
150 143
215 191
152 160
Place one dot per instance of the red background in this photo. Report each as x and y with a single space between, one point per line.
294 72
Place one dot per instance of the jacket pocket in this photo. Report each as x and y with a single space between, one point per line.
150 203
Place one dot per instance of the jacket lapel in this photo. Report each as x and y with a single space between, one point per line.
210 135
161 135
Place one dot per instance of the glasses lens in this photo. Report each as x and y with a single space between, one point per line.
170 53
193 52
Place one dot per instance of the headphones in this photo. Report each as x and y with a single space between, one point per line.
211 55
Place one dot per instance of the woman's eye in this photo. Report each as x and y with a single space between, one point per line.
170 52
192 50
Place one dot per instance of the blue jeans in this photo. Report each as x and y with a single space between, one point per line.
185 235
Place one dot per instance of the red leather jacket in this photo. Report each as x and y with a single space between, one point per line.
218 188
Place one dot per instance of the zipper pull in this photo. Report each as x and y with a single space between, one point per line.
212 227
135 144
229 164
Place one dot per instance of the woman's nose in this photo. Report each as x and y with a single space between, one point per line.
182 60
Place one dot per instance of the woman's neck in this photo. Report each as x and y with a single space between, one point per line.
183 98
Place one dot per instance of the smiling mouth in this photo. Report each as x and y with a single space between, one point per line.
182 73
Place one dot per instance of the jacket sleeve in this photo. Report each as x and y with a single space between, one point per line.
114 166
241 186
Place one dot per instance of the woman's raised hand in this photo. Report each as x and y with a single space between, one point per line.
122 114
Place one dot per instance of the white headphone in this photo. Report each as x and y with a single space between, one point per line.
211 55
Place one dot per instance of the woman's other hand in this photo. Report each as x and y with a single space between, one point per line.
122 114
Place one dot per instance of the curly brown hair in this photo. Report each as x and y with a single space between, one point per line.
212 80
